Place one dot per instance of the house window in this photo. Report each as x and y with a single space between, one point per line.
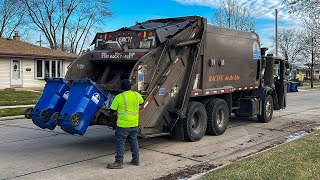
316 72
39 69
48 68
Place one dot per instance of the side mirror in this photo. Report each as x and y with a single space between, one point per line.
287 65
286 73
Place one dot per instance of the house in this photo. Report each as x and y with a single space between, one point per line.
26 65
304 71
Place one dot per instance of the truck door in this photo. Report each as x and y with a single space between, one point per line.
280 82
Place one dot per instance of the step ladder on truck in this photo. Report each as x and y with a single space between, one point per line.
192 76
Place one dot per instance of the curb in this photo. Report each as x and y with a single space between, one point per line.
17 106
11 117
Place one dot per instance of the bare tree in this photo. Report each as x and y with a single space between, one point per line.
232 15
311 52
290 44
11 16
58 19
309 10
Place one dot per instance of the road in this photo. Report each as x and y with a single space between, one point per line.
27 152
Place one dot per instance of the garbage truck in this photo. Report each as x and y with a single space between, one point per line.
192 76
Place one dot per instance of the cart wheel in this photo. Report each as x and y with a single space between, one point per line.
28 113
218 117
196 122
45 115
267 110
55 118
75 119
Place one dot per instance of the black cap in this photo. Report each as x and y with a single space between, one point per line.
125 85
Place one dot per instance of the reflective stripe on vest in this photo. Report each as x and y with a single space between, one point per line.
126 113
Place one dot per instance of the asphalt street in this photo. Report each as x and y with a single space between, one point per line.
28 152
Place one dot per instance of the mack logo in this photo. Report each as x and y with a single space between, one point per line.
124 39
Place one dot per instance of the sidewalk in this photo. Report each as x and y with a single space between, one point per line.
17 106
14 117
11 117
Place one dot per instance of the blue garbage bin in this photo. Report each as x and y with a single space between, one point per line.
54 95
288 87
294 86
84 100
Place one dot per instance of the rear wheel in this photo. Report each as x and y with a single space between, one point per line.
267 110
218 117
196 122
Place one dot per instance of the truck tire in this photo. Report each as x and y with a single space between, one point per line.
218 117
195 123
267 110
206 102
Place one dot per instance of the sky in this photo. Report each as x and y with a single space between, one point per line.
128 12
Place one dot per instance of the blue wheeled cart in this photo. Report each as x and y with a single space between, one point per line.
50 103
84 100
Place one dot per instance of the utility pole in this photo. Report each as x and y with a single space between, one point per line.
40 41
312 59
277 32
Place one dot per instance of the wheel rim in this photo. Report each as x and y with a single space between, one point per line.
45 115
75 119
55 118
195 124
29 113
268 109
220 117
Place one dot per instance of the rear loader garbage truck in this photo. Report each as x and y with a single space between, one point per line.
192 76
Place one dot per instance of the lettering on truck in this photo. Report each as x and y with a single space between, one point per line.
224 78
117 55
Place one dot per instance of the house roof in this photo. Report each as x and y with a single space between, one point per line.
17 48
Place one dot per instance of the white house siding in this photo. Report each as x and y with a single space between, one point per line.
66 63
29 76
4 72
28 73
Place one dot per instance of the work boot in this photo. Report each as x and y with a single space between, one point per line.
115 165
135 162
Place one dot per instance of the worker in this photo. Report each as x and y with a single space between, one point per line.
127 106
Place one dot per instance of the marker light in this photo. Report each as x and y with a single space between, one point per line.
139 34
145 34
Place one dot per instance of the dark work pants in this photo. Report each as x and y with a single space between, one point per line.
121 135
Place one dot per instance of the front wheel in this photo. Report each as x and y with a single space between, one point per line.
196 122
267 110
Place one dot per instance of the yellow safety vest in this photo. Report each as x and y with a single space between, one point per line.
127 105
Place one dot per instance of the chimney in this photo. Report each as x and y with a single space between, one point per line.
16 36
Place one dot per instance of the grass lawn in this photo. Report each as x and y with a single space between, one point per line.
308 83
11 98
298 159
12 112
